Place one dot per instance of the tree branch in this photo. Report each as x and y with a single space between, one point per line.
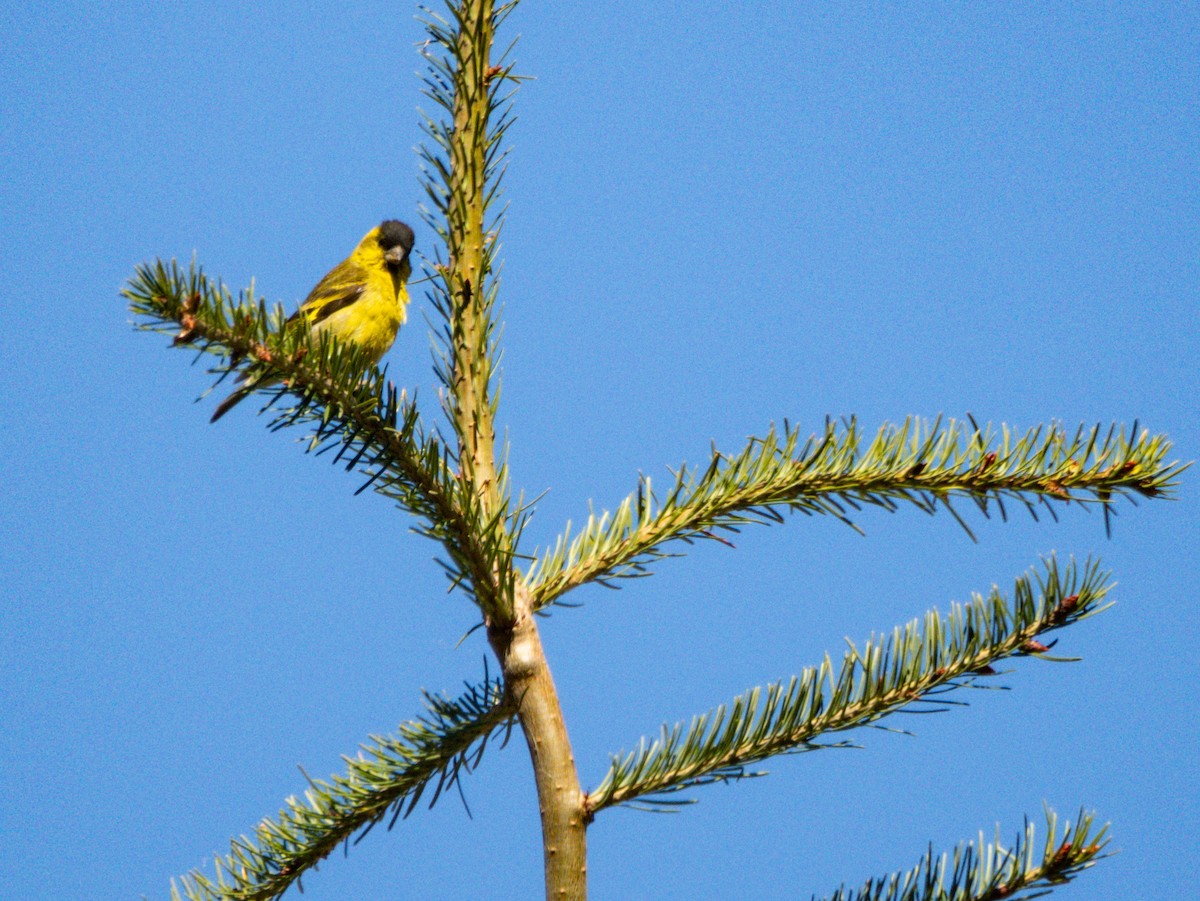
993 872
463 167
462 171
390 775
915 665
926 466
349 403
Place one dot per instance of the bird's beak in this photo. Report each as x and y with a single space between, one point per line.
395 256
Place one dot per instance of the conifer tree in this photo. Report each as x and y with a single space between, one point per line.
444 468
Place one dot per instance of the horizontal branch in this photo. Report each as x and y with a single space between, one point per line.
348 402
914 665
390 775
979 872
925 465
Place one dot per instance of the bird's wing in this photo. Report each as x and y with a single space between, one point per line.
344 285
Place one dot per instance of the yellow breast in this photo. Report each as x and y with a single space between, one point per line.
372 321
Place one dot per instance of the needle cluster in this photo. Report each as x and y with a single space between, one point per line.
911 670
992 872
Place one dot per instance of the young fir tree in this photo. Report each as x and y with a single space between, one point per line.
452 480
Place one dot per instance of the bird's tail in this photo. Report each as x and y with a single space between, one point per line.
232 401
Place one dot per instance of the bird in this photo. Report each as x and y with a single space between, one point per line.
362 300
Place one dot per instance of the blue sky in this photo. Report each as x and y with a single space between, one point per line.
723 214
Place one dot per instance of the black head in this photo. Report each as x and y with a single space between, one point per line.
393 235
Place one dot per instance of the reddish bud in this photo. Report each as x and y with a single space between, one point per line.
188 332
1057 490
